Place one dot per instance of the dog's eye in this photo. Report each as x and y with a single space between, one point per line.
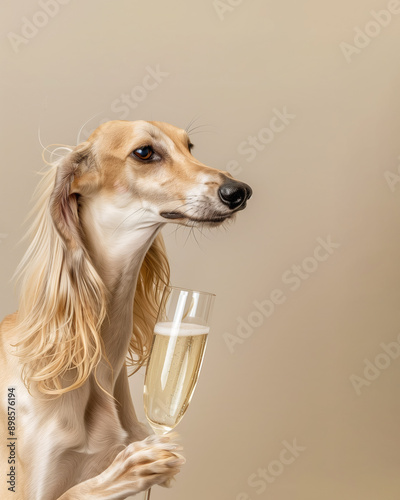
144 153
190 146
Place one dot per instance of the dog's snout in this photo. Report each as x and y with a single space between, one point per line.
234 194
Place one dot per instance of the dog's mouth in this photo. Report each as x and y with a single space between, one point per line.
217 218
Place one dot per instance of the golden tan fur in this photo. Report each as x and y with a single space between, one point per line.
91 281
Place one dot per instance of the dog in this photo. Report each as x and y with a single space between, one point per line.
91 282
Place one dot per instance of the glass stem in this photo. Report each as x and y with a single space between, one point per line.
147 496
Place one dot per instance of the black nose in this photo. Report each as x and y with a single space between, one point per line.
234 194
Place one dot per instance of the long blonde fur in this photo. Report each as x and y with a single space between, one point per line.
63 304
153 277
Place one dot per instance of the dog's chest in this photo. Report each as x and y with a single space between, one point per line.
75 435
84 421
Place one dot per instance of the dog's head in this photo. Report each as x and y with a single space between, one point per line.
99 212
149 165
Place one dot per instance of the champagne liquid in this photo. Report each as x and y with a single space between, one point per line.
172 372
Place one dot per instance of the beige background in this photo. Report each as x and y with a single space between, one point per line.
324 174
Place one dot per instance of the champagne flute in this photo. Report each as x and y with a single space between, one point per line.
176 356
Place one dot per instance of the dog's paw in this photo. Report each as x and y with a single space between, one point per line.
144 464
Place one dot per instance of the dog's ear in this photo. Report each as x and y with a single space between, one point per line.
63 299
69 184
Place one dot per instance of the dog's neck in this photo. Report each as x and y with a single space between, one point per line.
117 240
